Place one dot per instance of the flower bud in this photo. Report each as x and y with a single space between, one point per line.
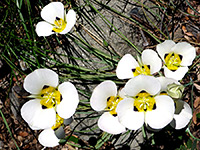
175 90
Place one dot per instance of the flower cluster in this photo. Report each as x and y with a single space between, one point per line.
146 98
52 104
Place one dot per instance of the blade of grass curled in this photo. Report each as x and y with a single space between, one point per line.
8 128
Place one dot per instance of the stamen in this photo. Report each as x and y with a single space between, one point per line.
50 97
143 102
144 69
112 103
60 25
172 61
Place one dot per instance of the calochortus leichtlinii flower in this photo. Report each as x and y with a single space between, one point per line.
50 99
176 57
144 104
105 97
50 137
56 20
128 67
183 111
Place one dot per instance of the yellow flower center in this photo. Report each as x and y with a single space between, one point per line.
112 103
144 69
172 61
59 122
144 102
50 97
60 25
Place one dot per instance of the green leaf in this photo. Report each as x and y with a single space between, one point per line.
198 115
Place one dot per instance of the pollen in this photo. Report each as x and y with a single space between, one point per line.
50 97
59 122
172 61
59 25
144 69
112 103
144 102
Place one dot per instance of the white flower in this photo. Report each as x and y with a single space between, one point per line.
128 67
105 97
182 116
183 111
40 113
144 105
50 137
56 20
176 57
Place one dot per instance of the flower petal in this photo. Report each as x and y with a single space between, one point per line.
110 124
37 117
150 57
51 11
166 81
35 81
163 114
142 82
165 47
48 138
127 116
182 115
98 100
177 75
71 20
187 51
125 66
69 103
43 28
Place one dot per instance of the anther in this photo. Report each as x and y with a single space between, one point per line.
44 107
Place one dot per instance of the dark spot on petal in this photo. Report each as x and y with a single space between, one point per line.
154 106
52 31
44 107
61 98
45 86
148 66
173 70
136 96
165 55
42 95
145 109
133 70
172 54
142 67
55 129
114 115
108 99
57 18
180 56
135 108
108 107
143 91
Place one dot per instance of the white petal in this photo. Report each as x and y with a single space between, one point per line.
125 66
182 118
127 116
98 100
44 29
165 47
48 138
69 103
34 82
163 114
166 81
187 51
142 82
150 57
51 11
177 75
110 124
71 20
37 117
